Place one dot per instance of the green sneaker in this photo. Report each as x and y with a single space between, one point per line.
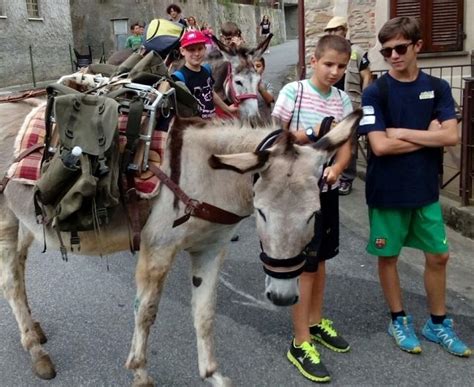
307 360
326 334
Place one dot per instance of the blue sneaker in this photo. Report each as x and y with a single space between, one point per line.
402 331
444 335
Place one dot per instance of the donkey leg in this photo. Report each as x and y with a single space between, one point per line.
205 273
13 251
151 271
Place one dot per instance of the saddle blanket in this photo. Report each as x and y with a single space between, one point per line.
32 132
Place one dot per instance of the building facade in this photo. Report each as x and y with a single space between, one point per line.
35 36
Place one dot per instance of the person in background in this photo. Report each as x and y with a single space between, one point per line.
265 93
356 78
208 31
408 116
174 12
301 107
197 77
192 23
135 41
265 29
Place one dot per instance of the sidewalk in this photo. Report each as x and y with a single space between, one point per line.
280 68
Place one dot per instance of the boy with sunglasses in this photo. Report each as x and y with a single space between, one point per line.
407 120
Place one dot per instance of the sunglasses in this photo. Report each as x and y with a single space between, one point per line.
400 49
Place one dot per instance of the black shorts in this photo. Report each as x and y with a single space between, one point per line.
325 243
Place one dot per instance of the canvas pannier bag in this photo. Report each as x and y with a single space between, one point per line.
80 197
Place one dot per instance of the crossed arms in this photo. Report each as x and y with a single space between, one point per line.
401 140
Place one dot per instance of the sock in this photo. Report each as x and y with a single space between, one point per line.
397 314
437 319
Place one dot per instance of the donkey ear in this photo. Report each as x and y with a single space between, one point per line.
241 162
225 49
261 48
340 133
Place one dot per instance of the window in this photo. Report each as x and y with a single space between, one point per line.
32 9
120 27
441 22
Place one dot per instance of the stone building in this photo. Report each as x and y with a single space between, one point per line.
35 36
103 24
448 34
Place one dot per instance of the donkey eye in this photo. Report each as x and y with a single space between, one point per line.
311 217
239 83
260 212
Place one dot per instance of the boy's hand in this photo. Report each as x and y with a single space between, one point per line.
331 174
233 109
435 125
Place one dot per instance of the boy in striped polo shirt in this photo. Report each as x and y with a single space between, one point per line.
300 108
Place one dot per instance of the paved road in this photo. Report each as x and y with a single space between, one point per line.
87 314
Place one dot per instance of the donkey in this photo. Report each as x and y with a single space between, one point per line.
216 165
235 75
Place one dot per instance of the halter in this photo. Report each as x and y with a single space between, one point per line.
279 268
229 83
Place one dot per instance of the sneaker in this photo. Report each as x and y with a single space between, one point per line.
325 334
402 331
444 335
345 187
307 360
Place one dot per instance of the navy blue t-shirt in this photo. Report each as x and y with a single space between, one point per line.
200 84
408 180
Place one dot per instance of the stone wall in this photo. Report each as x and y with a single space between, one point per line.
48 36
361 19
92 23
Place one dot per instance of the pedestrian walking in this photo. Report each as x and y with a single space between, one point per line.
302 107
409 115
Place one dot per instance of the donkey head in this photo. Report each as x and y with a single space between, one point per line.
286 201
241 82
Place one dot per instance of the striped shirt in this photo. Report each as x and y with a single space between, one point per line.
313 106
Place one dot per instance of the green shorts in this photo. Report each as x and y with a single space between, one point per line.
421 228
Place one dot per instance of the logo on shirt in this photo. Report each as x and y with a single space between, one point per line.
427 95
380 243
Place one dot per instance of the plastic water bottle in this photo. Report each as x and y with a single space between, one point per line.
71 158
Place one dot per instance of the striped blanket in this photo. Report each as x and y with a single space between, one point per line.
32 132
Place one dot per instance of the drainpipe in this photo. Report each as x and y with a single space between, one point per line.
301 41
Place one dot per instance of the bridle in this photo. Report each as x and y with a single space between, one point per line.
285 268
229 85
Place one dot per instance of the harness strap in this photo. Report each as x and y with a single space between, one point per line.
201 210
21 156
236 98
27 94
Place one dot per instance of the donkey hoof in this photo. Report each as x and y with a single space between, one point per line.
44 367
142 379
40 333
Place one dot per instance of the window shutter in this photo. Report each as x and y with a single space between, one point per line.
447 25
441 22
405 8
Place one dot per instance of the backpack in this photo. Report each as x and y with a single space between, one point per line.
162 36
180 75
436 84
78 190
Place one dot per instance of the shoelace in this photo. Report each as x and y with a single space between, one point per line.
310 353
447 332
326 325
404 330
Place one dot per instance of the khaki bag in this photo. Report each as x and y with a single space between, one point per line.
81 197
